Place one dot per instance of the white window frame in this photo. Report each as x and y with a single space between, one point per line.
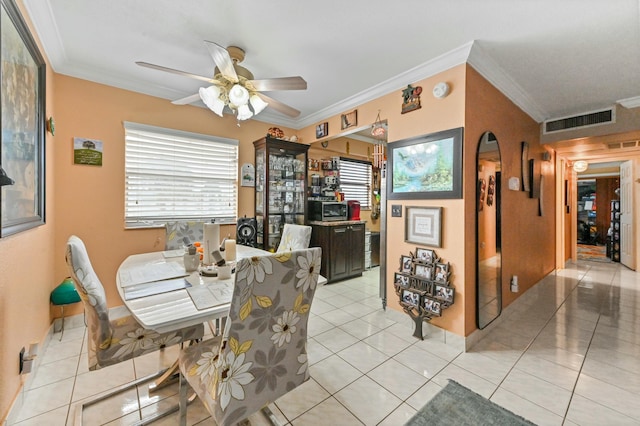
353 186
194 176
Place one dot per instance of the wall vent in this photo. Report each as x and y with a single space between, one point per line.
624 145
595 118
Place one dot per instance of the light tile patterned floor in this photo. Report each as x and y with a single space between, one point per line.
569 355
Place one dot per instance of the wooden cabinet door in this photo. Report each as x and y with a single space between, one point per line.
340 251
356 249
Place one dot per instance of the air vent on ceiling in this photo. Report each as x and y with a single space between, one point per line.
595 118
623 145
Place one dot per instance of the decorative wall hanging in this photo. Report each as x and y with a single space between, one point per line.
248 175
22 109
491 190
426 167
526 186
423 226
322 130
349 119
423 286
411 98
378 130
87 151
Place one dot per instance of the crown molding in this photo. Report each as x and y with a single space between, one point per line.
494 74
630 102
441 63
47 30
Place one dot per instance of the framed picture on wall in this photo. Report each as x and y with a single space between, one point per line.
23 77
426 167
423 226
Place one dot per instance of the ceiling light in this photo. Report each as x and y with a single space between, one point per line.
237 95
580 166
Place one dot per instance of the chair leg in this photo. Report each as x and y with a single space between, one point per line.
183 400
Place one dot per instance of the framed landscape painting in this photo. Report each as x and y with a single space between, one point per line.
426 167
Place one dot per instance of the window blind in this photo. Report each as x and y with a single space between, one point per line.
176 175
355 181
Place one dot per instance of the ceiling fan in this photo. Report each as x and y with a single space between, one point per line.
233 86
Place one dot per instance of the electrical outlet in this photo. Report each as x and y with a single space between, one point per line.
396 210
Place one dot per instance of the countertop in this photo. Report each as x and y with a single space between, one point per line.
336 222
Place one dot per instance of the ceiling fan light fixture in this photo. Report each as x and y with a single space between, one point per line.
244 113
238 96
257 104
211 98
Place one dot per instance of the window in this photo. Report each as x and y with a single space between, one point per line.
176 175
355 181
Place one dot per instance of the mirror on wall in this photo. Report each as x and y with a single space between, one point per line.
488 231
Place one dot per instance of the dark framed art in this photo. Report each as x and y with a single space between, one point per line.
424 255
423 226
22 110
349 119
526 183
401 280
426 167
410 298
322 130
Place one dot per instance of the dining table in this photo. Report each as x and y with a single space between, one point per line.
158 291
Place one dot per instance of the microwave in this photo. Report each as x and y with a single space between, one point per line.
326 211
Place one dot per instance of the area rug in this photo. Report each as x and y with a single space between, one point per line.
457 405
593 253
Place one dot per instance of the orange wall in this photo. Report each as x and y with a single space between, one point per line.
528 240
90 199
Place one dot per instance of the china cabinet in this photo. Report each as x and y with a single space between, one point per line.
281 184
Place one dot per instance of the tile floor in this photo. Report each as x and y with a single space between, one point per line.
569 354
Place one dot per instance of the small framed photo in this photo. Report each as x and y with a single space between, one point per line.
322 130
441 273
423 271
349 119
410 298
401 280
432 306
444 293
406 264
424 255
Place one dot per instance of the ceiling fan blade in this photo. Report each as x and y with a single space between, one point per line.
187 100
222 60
282 83
173 71
279 106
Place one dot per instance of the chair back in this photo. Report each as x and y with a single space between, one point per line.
176 231
92 294
263 353
294 237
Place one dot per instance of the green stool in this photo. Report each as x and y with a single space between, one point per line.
64 294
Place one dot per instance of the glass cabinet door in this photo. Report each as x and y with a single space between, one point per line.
281 183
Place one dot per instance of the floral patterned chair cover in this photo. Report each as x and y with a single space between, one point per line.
113 341
262 353
176 231
294 237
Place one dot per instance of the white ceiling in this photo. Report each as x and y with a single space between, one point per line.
551 57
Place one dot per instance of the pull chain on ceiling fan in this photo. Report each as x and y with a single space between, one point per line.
234 86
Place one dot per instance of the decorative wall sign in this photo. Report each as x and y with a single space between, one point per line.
349 119
411 99
22 107
423 286
322 130
87 151
248 175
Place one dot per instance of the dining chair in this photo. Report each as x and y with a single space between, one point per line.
111 341
177 230
294 237
262 353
